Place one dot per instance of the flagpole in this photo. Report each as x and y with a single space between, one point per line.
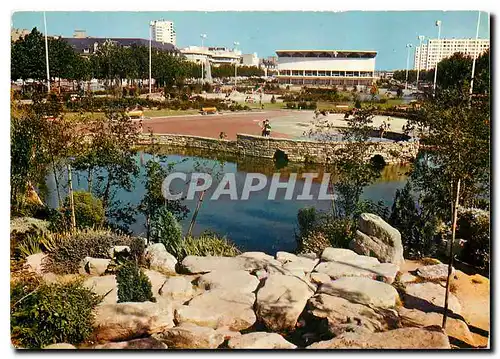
475 54
46 52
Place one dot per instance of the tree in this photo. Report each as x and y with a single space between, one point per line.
28 57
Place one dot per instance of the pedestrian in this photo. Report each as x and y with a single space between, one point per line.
267 129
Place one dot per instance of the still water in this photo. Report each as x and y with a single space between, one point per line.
256 224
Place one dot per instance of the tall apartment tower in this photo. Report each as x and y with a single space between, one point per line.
428 55
163 31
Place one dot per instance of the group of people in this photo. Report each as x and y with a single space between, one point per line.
266 128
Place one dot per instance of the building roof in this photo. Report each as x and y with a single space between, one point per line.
85 43
327 53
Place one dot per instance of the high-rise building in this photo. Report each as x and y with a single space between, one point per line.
429 54
163 31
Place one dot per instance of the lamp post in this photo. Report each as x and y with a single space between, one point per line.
151 24
236 43
203 37
46 52
408 46
475 54
438 24
420 38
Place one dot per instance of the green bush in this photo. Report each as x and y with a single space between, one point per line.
206 245
473 226
66 256
44 314
137 249
165 229
89 211
133 284
313 242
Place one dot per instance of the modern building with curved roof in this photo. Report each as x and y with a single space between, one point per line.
326 67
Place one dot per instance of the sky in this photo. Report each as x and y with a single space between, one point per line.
386 32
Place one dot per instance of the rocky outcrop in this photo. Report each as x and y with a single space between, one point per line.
377 238
159 259
238 280
430 297
200 265
219 308
436 272
34 263
94 266
157 280
60 346
119 251
105 285
292 263
177 288
142 343
281 300
404 338
190 336
260 340
125 321
362 290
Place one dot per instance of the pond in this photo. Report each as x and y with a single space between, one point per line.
256 224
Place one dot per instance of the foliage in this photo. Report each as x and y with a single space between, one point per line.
473 226
418 225
313 242
204 245
137 250
44 314
165 229
133 284
89 211
67 255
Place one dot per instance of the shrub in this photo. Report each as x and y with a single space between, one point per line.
137 249
133 284
473 225
165 229
357 104
66 256
44 314
89 211
313 242
205 245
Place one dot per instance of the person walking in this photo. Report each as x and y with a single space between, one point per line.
267 129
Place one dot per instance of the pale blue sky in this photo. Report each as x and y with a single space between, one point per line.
265 32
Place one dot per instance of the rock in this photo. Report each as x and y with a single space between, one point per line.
309 255
190 336
362 290
219 308
124 321
119 251
281 301
142 343
341 314
228 333
60 346
239 280
434 272
320 278
429 297
94 266
159 259
455 327
359 266
407 278
260 274
337 254
104 285
377 238
198 264
403 338
258 260
284 257
157 280
177 288
260 340
34 263
292 262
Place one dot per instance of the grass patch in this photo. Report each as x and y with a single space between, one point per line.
168 112
204 245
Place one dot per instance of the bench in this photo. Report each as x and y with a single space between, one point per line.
208 110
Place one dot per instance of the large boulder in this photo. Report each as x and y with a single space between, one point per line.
260 340
142 343
199 264
159 259
435 272
157 280
125 321
377 238
94 266
281 300
34 263
219 308
177 288
190 336
258 260
292 262
362 290
239 280
337 254
429 297
343 315
119 252
455 327
60 346
105 285
403 338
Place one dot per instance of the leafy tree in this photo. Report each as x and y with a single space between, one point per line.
89 211
165 229
133 284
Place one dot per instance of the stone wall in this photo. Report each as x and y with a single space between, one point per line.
296 150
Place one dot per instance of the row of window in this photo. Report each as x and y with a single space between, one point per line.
320 73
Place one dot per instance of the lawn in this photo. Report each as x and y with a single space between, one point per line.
168 112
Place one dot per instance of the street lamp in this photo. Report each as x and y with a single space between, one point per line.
203 37
151 24
420 38
236 43
438 24
408 46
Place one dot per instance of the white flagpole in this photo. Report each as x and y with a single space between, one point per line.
46 52
475 54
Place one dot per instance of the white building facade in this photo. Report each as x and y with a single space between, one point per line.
163 31
326 67
216 55
250 60
431 53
